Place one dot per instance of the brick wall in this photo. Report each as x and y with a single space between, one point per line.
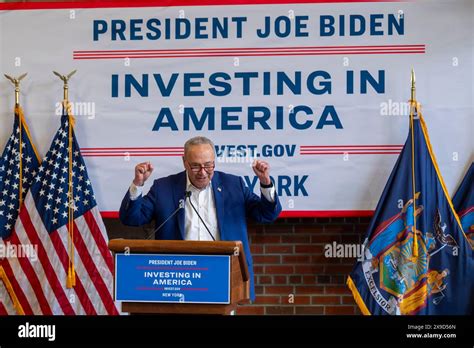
293 276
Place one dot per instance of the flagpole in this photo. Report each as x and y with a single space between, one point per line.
71 276
413 88
412 110
18 112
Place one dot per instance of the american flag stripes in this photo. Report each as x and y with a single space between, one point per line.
61 220
18 166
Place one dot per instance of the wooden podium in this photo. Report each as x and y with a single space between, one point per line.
239 275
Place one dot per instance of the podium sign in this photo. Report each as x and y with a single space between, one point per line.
171 278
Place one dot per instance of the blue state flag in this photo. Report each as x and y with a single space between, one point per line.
416 259
463 202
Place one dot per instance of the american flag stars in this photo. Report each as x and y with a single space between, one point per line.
11 175
55 195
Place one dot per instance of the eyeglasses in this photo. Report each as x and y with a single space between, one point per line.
208 167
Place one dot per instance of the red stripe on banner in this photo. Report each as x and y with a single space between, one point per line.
131 155
132 151
233 53
20 295
245 54
325 213
132 148
289 213
3 310
169 3
117 153
63 256
349 150
352 153
99 240
263 49
32 277
249 55
94 274
49 271
173 268
145 288
237 52
348 146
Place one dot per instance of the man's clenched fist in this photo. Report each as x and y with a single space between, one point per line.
142 173
262 170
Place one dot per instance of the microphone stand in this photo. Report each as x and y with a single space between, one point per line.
188 195
181 206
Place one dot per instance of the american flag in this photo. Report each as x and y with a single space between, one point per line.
18 166
10 172
44 222
6 304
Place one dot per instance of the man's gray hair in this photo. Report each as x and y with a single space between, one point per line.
197 141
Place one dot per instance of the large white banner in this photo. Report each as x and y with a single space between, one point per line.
319 89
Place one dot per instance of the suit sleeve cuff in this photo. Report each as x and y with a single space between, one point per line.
135 191
269 193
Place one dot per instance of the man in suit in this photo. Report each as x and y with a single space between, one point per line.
222 200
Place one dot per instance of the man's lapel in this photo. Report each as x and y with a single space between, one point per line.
219 193
178 193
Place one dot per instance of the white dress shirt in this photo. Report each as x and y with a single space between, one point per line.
203 201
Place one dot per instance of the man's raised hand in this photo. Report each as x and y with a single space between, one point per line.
262 170
142 173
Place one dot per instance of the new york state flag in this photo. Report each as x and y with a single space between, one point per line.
417 259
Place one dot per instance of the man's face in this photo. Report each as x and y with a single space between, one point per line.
199 164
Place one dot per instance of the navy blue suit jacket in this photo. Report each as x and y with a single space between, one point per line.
234 204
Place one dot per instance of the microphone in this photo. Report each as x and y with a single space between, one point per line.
188 195
181 206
